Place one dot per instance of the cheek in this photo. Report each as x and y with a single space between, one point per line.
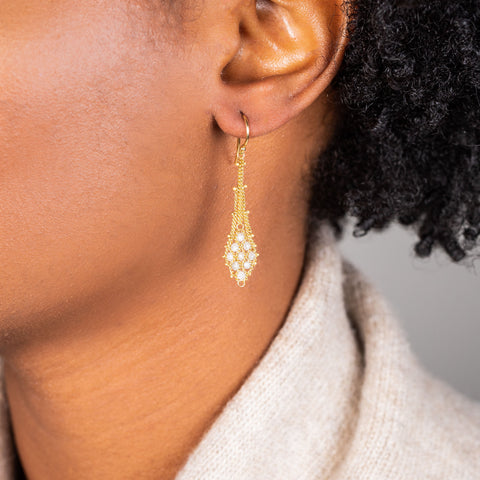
91 172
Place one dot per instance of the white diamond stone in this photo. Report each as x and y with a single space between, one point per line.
241 255
235 266
246 265
230 256
234 247
240 237
251 256
246 245
241 275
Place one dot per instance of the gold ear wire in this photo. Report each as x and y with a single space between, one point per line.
240 251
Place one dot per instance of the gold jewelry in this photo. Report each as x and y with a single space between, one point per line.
240 251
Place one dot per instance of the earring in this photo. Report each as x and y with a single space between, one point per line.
240 251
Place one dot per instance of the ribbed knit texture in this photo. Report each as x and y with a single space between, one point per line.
338 395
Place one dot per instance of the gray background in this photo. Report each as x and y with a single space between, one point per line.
436 300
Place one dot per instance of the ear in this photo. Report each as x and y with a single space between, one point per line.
286 54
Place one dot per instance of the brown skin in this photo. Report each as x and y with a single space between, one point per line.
122 333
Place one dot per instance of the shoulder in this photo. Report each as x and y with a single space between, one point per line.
411 424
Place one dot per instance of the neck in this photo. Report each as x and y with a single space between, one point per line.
126 386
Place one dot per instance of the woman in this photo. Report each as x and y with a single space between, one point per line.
128 350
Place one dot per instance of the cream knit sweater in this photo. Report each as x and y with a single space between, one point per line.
338 395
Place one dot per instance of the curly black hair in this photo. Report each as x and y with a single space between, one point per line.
407 147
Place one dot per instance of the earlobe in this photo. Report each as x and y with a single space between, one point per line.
287 54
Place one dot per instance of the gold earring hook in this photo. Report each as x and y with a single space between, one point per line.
247 136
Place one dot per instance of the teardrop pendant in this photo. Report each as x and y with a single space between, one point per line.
240 251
